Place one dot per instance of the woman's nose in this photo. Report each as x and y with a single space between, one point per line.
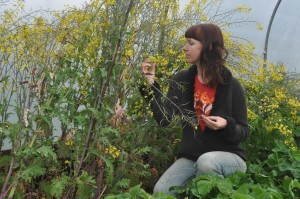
184 47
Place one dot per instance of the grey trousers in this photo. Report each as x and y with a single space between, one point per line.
182 170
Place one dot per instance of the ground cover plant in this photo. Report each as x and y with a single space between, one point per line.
78 128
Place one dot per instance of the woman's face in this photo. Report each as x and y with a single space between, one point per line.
192 49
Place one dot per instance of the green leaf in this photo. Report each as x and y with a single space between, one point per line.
103 72
273 160
26 151
204 187
86 178
274 193
4 79
297 132
235 178
45 186
58 186
295 171
80 119
144 173
212 178
163 195
43 121
240 178
109 170
285 166
178 189
222 196
142 151
5 131
257 191
124 183
85 184
110 196
63 151
10 130
95 112
32 172
134 191
244 189
295 155
280 147
254 168
287 184
5 160
241 196
125 195
195 192
273 173
262 179
296 184
110 130
109 164
47 104
225 187
47 151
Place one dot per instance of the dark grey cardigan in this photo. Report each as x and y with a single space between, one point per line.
229 103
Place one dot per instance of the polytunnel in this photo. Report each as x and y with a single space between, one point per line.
284 29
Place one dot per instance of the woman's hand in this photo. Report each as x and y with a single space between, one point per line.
214 122
148 71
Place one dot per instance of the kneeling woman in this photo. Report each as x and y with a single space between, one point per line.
209 94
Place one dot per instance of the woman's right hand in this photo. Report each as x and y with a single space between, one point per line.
148 71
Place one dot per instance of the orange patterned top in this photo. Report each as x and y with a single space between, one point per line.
204 97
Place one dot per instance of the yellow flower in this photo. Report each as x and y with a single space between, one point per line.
251 114
69 142
110 2
113 151
259 26
129 53
156 4
243 9
294 102
203 18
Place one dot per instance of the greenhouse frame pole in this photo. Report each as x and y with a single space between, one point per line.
268 31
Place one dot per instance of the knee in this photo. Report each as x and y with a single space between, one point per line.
206 165
161 188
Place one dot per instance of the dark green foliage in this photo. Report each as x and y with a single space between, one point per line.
276 177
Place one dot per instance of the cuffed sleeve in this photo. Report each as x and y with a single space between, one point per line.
237 129
163 107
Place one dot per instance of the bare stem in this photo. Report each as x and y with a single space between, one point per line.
4 191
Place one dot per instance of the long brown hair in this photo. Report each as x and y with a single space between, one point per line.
213 53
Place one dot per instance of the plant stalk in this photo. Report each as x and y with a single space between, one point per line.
4 191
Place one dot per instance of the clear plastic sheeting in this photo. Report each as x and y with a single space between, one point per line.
284 40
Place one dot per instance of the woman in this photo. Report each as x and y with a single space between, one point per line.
208 94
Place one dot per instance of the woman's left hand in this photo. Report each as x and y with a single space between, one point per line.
214 122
